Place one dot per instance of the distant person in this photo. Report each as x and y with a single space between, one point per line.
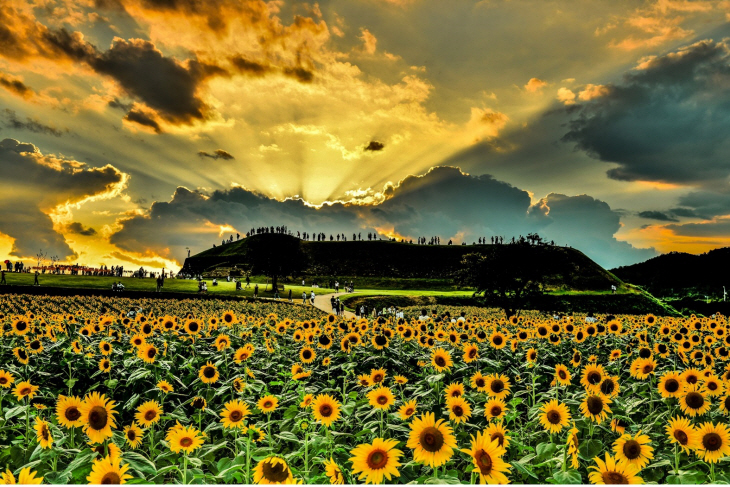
238 285
613 289
248 281
256 291
311 297
304 297
276 292
337 286
2 281
290 298
35 282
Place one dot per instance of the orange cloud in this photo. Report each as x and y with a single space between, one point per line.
535 85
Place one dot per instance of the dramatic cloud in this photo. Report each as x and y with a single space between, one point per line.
374 146
10 119
667 122
15 86
443 202
80 229
657 215
535 85
217 154
41 185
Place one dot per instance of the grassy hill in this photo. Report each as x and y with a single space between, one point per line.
394 265
681 275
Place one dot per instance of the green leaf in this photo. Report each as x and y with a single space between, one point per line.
11 413
140 463
545 451
288 436
568 477
589 449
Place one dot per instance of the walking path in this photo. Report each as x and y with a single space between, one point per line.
322 301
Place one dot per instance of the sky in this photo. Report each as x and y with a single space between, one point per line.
132 131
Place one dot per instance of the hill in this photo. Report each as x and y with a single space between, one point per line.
570 269
681 275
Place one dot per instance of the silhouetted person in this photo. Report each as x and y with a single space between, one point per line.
35 282
2 281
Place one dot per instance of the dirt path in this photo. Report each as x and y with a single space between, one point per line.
322 301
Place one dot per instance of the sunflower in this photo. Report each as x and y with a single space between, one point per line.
618 425
680 431
495 409
399 379
105 365
184 438
148 414
208 373
165 386
68 412
234 413
595 407
432 441
133 434
670 385
326 409
713 442
242 354
497 340
333 472
725 404
691 376
147 352
306 401
20 327
562 376
455 389
592 376
441 360
479 382
376 461
497 431
26 477
713 386
486 455
609 386
531 356
555 416
192 327
642 368
98 416
471 353
615 355
307 355
693 401
43 433
614 472
381 398
573 445
407 410
268 404
498 386
259 434
25 389
459 409
634 450
377 376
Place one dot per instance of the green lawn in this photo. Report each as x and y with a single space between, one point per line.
171 285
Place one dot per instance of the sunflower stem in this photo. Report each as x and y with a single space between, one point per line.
712 472
185 469
248 457
676 460
27 421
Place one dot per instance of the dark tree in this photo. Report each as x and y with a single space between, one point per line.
275 255
507 276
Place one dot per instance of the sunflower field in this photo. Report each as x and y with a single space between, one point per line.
111 390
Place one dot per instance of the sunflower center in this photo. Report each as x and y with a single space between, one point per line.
681 437
98 417
186 442
268 404
209 372
72 413
377 378
110 478
632 449
440 361
45 433
671 385
3 380
695 400
193 327
479 382
151 352
562 375
22 325
712 385
458 411
377 459
593 378
497 340
307 355
691 379
497 385
484 462
554 417
25 391
382 400
647 368
235 416
472 353
325 410
594 405
150 415
607 386
431 439
712 442
35 344
410 411
495 411
614 478
497 436
131 435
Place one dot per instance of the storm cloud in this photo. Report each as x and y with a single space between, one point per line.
443 202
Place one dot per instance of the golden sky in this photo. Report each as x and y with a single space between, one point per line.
132 130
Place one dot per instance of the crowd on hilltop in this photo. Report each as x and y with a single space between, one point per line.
530 239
